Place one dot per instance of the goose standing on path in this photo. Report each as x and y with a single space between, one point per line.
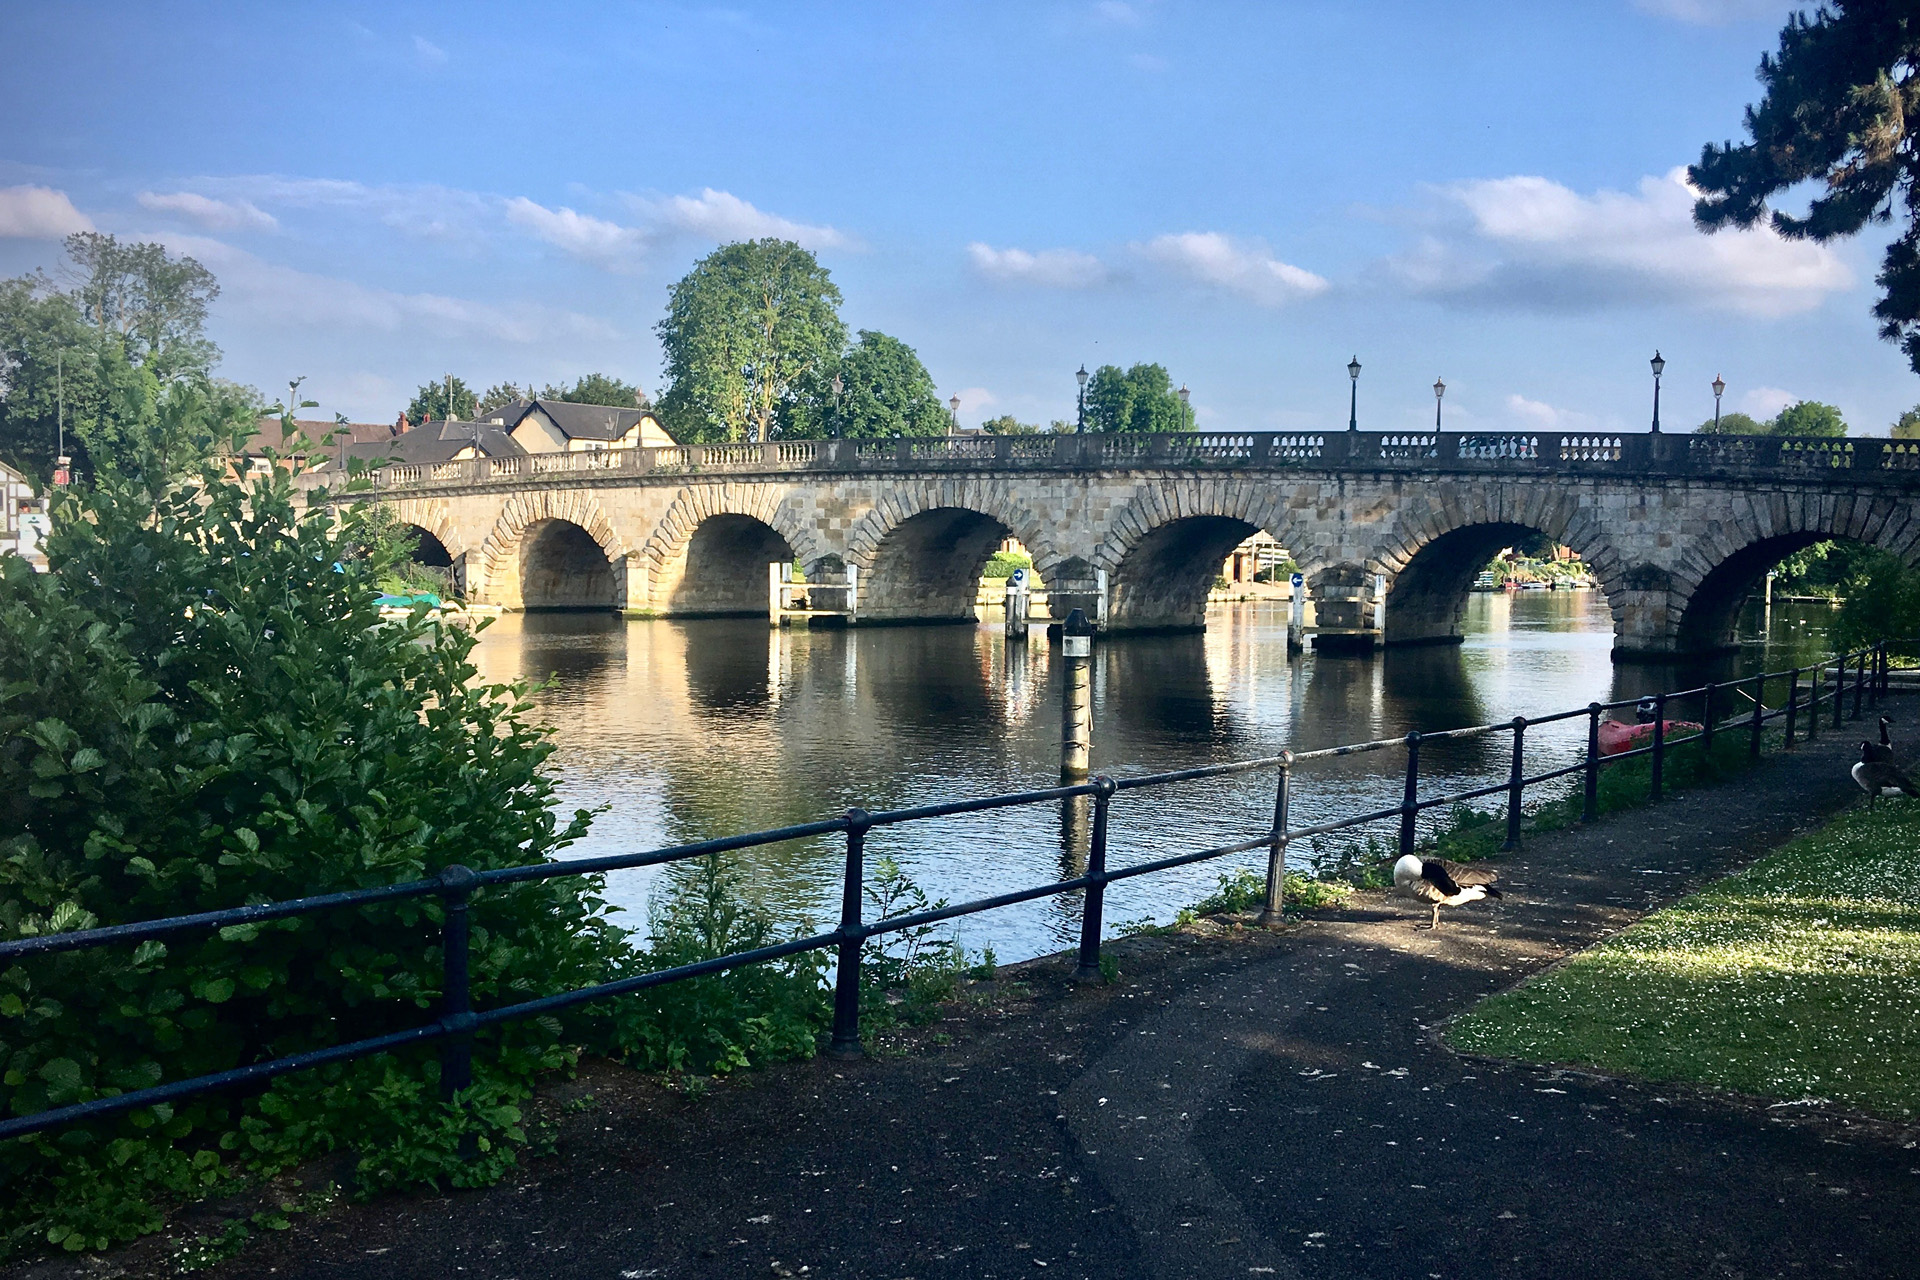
1878 775
1443 883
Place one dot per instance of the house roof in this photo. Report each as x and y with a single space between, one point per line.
432 442
576 421
269 433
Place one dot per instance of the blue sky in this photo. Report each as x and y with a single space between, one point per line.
1247 193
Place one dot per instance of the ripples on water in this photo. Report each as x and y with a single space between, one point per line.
684 731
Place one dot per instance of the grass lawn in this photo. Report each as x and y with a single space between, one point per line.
1797 978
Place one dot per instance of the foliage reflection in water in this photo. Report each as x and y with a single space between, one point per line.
684 731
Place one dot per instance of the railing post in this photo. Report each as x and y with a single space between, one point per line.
1590 784
846 982
1706 722
1840 692
1409 804
1793 703
1813 703
1094 900
1759 716
1659 746
456 994
1516 786
1270 913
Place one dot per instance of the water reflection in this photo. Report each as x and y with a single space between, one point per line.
680 731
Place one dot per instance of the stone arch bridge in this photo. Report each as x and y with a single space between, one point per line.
1676 529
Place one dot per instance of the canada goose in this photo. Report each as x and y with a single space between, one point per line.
1881 751
1879 776
1443 883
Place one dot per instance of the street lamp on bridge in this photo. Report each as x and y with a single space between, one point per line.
1186 406
1353 397
1082 377
954 405
1659 367
1439 390
1719 388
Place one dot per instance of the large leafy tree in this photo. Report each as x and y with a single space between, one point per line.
745 331
445 398
599 388
1841 109
884 391
102 354
1802 418
1138 399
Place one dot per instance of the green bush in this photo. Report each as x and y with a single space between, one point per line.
1001 564
200 708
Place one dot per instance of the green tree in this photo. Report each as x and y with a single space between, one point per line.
1733 424
745 331
432 401
599 388
1008 425
131 326
1141 399
1808 418
1907 425
884 391
497 395
1838 110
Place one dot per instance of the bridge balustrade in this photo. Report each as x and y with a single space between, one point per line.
1477 451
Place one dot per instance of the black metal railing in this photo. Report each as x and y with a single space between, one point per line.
1859 678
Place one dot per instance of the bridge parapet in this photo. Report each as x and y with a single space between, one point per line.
1850 461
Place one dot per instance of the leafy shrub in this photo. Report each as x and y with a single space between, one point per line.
904 975
199 709
1001 564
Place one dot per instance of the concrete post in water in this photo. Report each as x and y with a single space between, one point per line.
1297 615
1019 599
1100 599
1076 705
1380 604
853 592
778 575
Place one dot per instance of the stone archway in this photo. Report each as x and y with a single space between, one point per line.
921 548
1165 548
709 553
541 539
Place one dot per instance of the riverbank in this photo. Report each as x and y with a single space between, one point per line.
1231 1103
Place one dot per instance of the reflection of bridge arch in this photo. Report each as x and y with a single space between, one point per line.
1166 546
1720 568
553 549
922 547
709 553
1443 542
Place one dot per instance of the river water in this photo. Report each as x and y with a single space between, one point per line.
684 731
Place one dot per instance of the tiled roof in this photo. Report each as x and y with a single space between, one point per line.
432 442
269 435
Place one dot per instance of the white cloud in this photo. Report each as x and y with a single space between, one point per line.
1766 402
1538 415
1246 268
1118 12
722 216
1716 13
264 292
215 215
39 213
1533 241
429 53
427 211
1050 268
605 244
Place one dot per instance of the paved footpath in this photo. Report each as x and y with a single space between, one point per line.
1249 1105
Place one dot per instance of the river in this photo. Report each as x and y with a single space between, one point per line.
683 731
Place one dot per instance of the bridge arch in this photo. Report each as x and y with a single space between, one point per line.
433 518
1446 537
708 555
1723 564
921 548
554 549
1164 549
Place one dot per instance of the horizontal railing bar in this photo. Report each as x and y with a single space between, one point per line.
653 857
71 1114
1460 797
1203 771
934 915
80 939
950 808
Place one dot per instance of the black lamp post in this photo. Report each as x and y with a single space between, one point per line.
1719 388
1659 367
1186 406
954 405
1082 424
1439 390
1353 396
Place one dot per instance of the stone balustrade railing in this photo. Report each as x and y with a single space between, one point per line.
1848 460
